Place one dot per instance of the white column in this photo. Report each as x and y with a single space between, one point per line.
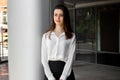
27 20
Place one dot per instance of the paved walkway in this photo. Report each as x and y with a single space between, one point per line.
83 71
4 71
88 71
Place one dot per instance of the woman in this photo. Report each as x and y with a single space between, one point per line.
58 47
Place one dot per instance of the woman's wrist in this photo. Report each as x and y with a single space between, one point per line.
63 77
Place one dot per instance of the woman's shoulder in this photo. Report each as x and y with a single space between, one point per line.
73 34
46 34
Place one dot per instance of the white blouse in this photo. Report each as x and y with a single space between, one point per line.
57 48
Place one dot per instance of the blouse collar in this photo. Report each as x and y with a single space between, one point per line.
62 34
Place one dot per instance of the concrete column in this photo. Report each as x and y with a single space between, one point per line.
53 3
27 20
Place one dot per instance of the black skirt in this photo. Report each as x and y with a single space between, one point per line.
57 69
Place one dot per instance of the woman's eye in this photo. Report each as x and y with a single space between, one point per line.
61 15
55 14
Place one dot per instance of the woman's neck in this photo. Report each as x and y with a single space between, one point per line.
58 30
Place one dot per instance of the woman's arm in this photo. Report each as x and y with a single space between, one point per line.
67 69
44 58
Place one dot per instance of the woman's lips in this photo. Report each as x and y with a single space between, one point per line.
57 21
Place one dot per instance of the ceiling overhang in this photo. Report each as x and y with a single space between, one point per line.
87 3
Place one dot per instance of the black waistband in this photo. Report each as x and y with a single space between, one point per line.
56 66
58 61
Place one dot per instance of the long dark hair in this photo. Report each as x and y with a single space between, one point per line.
66 22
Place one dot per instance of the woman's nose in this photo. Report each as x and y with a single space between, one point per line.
58 17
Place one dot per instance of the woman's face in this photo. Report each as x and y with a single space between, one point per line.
58 17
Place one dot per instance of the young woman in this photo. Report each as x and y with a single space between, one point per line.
58 47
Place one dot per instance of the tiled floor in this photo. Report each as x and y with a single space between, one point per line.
83 71
89 71
4 71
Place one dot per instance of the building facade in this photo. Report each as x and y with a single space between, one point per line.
97 27
3 31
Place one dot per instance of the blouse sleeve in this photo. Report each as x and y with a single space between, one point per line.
44 60
67 69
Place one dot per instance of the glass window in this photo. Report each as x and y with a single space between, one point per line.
4 17
86 34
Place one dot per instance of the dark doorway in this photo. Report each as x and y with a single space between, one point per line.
109 28
109 35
